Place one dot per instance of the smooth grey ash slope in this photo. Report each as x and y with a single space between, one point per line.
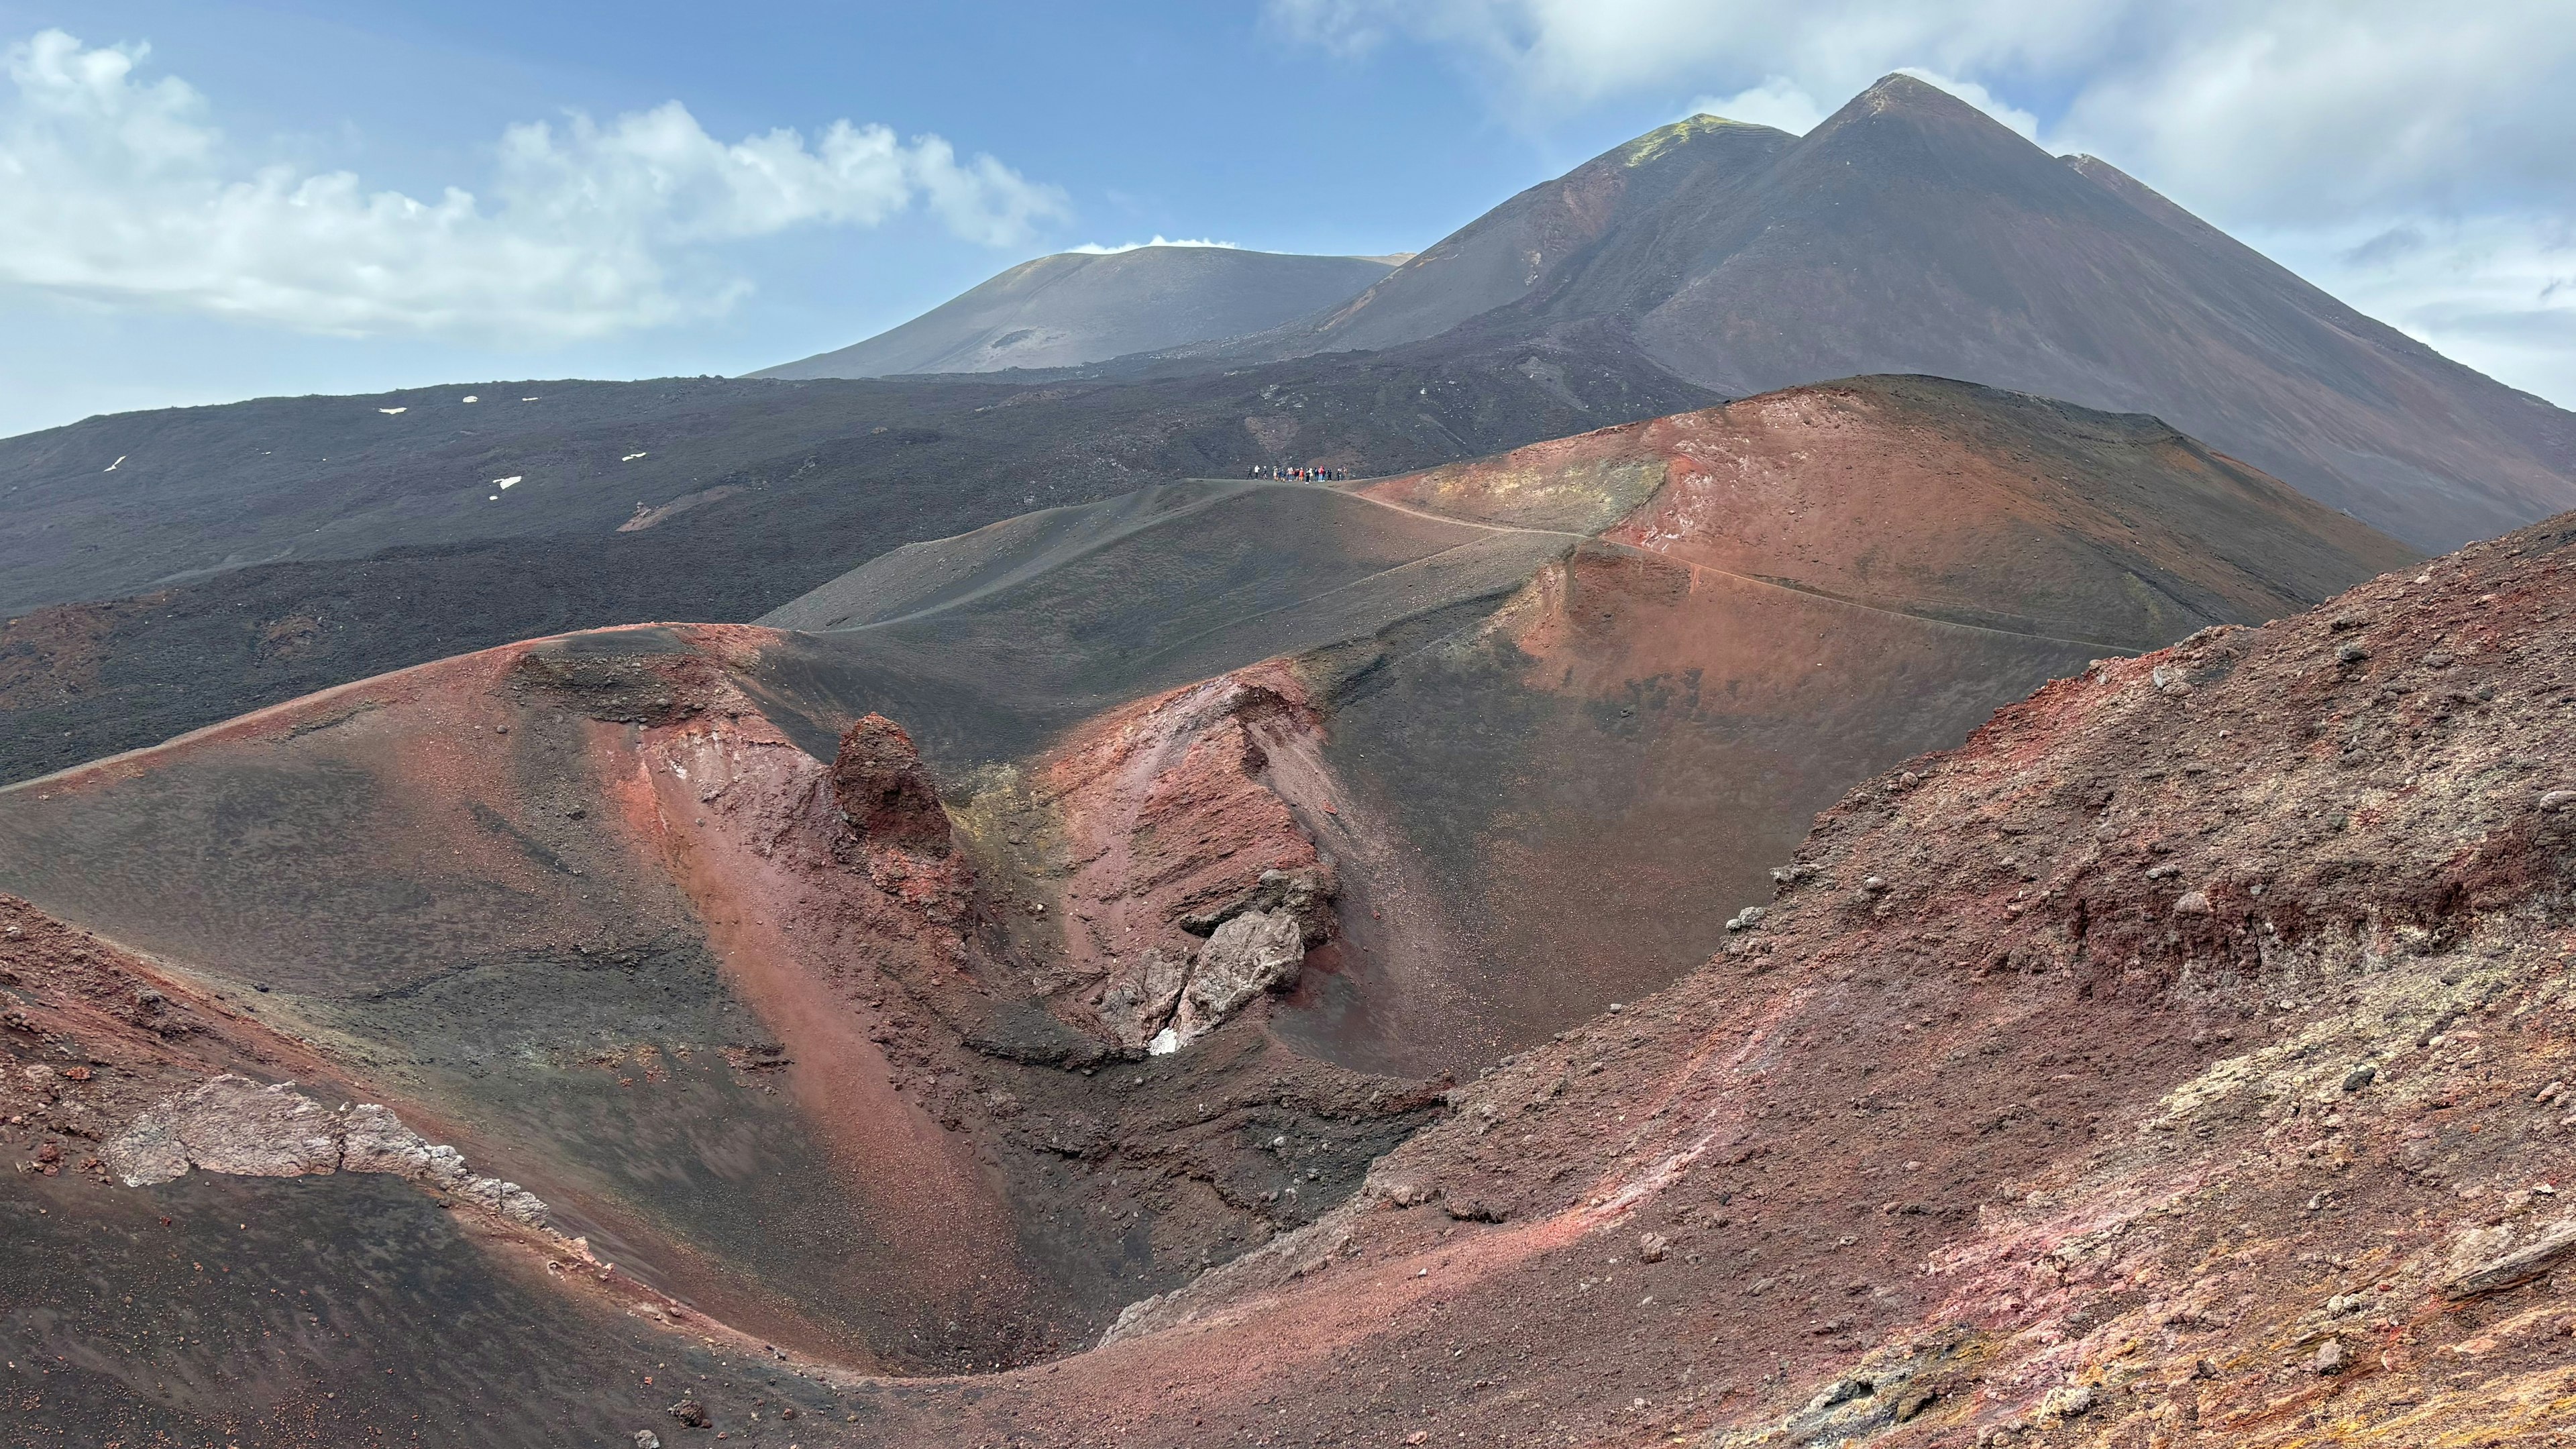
330 542
1075 307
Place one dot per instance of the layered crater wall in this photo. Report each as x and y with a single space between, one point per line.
1056 913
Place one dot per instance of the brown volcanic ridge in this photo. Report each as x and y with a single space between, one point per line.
830 1029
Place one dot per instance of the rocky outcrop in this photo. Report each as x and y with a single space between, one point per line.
234 1125
1160 1001
2547 1248
229 1125
1140 998
1305 895
1194 887
1162 998
1248 955
375 1140
885 792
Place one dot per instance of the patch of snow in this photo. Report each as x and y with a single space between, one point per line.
391 412
631 457
495 498
506 482
112 467
1165 1042
469 397
530 399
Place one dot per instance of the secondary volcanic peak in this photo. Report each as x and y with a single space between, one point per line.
1072 308
1937 498
1522 248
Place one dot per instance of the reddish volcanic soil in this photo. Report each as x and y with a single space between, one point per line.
927 997
1787 594
790 932
2180 1060
1167 809
624 943
140 1032
1938 500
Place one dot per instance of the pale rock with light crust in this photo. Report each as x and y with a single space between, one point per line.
234 1125
1248 955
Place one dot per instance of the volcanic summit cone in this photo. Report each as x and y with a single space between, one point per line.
1910 232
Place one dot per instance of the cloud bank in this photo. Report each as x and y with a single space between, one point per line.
119 187
1096 249
2282 109
2308 127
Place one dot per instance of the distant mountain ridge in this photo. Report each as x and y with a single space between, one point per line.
1911 233
1907 233
1077 307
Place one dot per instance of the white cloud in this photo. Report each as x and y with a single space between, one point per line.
2303 112
2276 106
2308 126
2013 117
1347 27
2498 293
2270 109
119 188
1778 102
1784 104
1561 54
1095 249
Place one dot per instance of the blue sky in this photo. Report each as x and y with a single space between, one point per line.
215 200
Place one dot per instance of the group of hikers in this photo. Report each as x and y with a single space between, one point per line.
1300 475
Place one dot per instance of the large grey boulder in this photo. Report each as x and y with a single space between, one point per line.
1255 952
